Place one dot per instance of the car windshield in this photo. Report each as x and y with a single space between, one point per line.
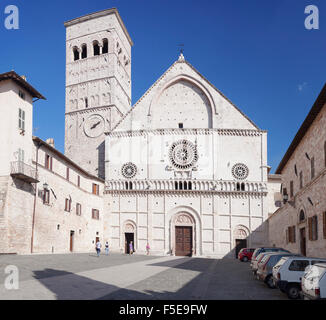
256 253
265 257
280 262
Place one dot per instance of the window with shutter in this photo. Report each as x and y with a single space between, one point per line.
294 235
21 119
310 228
314 227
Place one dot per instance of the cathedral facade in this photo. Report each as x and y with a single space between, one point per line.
183 169
186 171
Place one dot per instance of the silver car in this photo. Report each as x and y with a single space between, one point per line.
265 267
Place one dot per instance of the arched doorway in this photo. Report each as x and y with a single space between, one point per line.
129 234
183 235
240 236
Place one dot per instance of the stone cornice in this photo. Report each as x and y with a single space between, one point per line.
189 193
225 132
91 110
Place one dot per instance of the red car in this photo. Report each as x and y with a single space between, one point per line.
245 254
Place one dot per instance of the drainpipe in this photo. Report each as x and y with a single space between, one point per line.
34 205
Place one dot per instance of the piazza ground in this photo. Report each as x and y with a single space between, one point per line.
124 277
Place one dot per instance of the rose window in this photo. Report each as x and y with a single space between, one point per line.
129 170
240 171
183 154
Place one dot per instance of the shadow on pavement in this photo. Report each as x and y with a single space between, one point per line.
189 279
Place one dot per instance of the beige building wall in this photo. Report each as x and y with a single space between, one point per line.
52 226
310 144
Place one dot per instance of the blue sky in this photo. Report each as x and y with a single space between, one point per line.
258 53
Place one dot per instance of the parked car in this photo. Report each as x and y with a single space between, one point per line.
265 267
245 254
288 272
258 251
313 282
257 261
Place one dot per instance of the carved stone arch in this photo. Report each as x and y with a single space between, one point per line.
192 81
129 226
184 216
240 232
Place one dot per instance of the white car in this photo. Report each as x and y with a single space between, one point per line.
287 273
313 282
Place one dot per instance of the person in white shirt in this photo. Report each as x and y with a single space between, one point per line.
98 248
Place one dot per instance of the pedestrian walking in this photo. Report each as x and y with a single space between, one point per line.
147 248
106 248
98 247
131 248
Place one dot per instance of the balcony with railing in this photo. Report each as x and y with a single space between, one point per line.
23 171
215 186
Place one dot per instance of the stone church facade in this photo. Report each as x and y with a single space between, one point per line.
183 169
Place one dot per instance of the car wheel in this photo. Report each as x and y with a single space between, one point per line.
245 259
293 292
270 283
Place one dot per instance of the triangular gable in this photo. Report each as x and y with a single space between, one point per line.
136 117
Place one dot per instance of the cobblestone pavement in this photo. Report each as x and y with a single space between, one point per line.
123 277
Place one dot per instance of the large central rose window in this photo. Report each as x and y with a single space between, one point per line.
183 154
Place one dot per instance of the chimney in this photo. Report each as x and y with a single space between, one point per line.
50 142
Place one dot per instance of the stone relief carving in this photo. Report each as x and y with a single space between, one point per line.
183 219
240 234
129 228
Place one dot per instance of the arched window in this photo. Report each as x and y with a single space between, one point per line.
84 51
176 185
127 186
130 185
76 53
238 186
180 186
242 187
185 186
105 48
189 185
301 216
96 48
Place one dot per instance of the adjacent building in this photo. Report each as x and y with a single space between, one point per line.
300 224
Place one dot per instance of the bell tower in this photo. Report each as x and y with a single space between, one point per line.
98 85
